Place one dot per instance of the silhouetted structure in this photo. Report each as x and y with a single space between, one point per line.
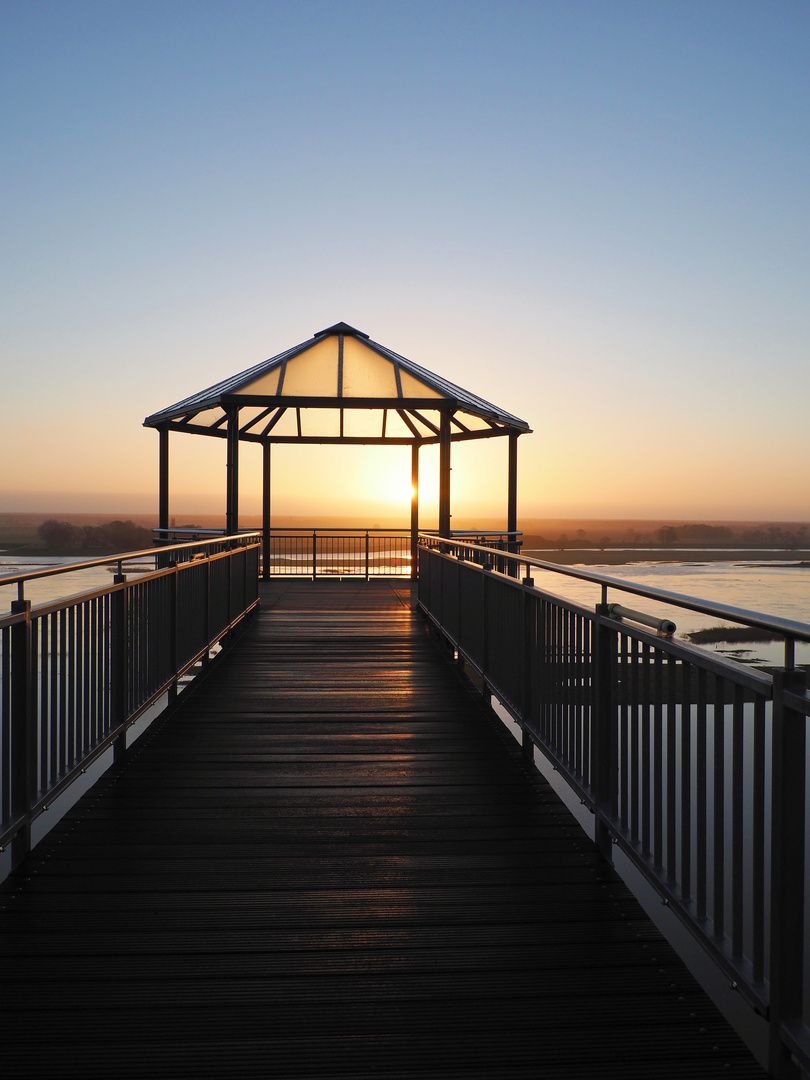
339 387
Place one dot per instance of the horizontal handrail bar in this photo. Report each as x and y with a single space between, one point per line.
761 621
298 528
474 532
664 626
108 560
750 677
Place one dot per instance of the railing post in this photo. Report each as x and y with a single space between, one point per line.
487 692
414 510
23 730
529 607
366 554
266 538
314 555
787 868
207 657
174 629
118 663
604 778
230 585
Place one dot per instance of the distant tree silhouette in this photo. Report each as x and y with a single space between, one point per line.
62 536
667 534
714 533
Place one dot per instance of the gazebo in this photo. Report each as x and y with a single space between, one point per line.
338 387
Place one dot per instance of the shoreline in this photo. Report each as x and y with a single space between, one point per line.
625 555
569 556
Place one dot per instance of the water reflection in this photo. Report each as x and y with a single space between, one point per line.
775 588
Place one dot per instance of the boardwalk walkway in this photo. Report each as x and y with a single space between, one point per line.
328 861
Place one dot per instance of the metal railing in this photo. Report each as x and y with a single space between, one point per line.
77 672
692 764
311 552
303 552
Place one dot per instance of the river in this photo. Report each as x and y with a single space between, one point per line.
772 587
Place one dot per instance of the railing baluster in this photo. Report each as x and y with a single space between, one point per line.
646 758
118 658
6 721
701 795
719 810
45 772
636 716
70 685
53 704
604 711
737 804
758 842
686 780
671 781
63 693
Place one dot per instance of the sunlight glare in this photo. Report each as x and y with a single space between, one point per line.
388 480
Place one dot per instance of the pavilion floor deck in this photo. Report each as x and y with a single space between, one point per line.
327 860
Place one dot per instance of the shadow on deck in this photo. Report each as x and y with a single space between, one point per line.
328 860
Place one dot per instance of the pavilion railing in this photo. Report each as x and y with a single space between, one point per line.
367 553
76 673
694 766
304 551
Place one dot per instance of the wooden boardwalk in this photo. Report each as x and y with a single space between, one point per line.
329 861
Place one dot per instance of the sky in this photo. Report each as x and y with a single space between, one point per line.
593 213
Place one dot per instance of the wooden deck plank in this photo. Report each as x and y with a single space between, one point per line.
329 861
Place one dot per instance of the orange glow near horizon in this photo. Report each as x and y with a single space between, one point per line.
114 468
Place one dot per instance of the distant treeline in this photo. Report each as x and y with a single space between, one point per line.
775 536
114 536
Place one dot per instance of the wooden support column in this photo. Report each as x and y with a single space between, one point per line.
511 513
414 510
444 474
163 479
232 473
511 508
266 511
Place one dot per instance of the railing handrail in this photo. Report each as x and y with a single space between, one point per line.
788 628
474 532
401 530
107 560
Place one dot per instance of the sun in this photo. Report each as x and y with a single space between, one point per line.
387 479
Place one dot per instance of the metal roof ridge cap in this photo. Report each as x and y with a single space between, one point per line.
341 328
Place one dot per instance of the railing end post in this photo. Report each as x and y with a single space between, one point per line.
605 774
23 730
789 803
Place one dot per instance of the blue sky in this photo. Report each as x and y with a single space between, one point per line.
594 214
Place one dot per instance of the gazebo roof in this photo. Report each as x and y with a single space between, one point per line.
339 386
